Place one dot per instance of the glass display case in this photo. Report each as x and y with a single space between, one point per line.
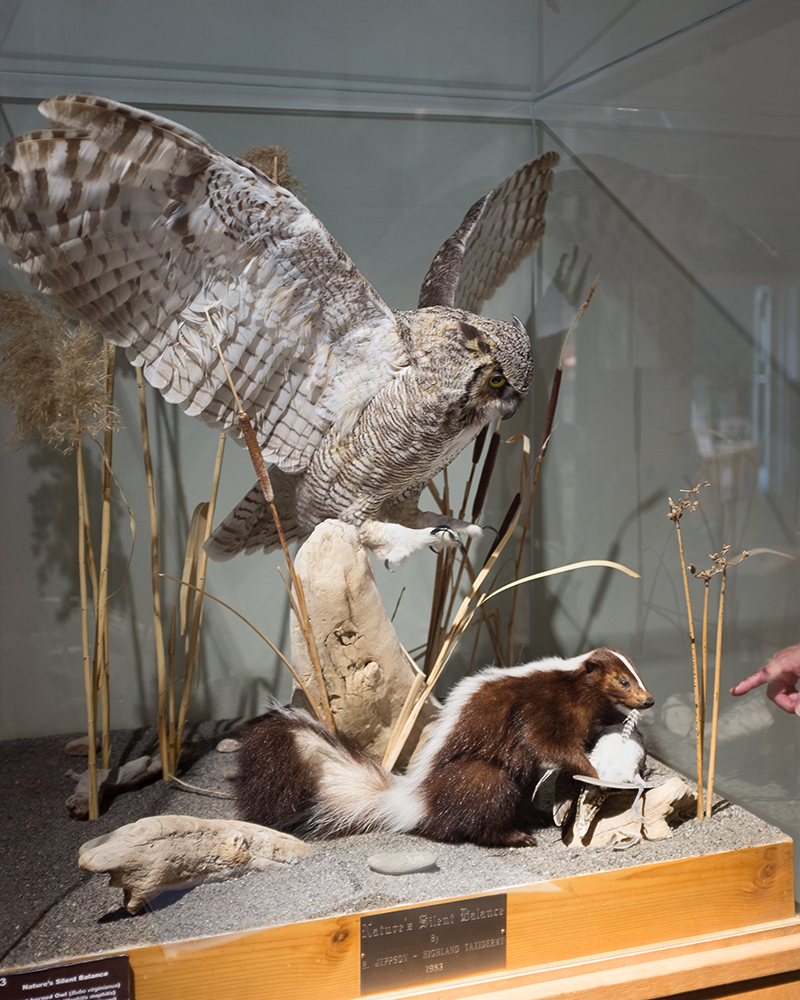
677 187
677 129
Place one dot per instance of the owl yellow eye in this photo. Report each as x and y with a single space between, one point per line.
497 381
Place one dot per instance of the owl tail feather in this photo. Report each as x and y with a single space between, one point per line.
250 525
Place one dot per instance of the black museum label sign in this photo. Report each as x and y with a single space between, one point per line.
97 979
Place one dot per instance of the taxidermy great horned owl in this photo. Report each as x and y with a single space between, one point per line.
138 227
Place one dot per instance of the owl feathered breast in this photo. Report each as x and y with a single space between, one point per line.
139 227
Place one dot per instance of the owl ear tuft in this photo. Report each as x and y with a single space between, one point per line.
473 339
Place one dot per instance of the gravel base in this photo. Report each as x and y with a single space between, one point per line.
53 911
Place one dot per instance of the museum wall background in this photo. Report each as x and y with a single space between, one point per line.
678 129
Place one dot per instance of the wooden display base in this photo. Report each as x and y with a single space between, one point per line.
717 921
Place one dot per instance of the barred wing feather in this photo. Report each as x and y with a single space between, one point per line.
139 227
497 234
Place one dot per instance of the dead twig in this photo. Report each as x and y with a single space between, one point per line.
297 596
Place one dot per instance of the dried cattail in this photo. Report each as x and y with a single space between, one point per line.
486 475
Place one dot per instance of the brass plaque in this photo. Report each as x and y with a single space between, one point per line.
427 943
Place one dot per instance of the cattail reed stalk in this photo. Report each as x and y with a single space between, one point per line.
443 576
446 587
477 451
54 377
704 679
676 512
712 759
101 624
442 579
704 575
161 666
258 632
419 692
296 595
547 432
88 674
487 471
196 617
721 564
523 478
174 747
486 475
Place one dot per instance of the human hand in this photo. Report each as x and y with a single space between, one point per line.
781 676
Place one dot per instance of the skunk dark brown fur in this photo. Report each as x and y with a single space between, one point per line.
474 778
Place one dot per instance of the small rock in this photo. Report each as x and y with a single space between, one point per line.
79 747
228 746
401 862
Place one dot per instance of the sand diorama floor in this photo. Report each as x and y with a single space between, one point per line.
53 911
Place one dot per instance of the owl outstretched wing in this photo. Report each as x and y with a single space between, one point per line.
138 226
497 233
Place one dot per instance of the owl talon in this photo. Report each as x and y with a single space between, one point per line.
388 567
446 531
393 543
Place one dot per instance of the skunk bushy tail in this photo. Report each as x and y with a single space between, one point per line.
295 773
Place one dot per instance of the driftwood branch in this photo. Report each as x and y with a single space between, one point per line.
170 852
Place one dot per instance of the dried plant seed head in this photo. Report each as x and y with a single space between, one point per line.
80 382
51 374
737 559
274 162
677 510
27 361
720 559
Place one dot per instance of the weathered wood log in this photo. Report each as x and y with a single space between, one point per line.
367 673
134 772
170 852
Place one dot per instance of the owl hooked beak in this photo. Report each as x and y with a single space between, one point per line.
507 406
